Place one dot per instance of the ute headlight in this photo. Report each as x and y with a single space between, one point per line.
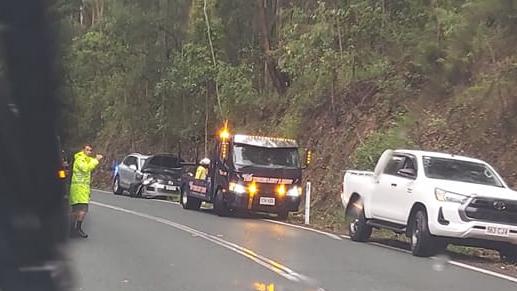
446 196
237 188
295 191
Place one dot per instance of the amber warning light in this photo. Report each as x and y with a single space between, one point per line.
224 134
61 174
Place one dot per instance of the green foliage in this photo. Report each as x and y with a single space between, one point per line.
145 68
366 155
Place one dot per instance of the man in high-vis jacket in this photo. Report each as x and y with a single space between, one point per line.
202 169
83 165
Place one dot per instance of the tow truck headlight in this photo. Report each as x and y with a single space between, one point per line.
237 188
295 191
443 195
281 190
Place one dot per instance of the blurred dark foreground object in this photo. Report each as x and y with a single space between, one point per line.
32 213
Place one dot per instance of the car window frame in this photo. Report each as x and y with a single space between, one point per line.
415 166
384 172
141 162
126 161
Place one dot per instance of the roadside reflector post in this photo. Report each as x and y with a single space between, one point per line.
307 202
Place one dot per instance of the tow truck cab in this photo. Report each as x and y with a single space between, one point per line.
252 173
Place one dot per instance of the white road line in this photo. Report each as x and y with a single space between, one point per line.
259 259
389 247
331 235
166 201
339 237
455 263
484 271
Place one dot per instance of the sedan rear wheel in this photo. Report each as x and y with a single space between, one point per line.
117 190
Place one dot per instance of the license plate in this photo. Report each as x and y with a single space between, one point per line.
171 188
498 231
267 201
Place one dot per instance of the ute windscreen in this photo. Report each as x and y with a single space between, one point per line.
458 170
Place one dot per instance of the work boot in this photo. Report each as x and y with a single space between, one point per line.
82 234
80 231
74 233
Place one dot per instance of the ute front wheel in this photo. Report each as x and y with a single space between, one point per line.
508 254
423 243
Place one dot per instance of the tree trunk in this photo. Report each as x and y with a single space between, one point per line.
340 38
264 36
209 32
333 98
165 36
165 124
206 121
93 12
81 13
101 11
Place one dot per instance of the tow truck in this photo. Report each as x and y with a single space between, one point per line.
249 173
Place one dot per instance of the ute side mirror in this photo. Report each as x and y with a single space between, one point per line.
133 167
408 173
307 159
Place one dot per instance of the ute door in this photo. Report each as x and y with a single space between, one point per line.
401 199
385 189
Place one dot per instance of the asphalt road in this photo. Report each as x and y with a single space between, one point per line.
139 244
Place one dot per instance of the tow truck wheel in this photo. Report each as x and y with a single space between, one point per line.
220 207
117 190
423 243
187 202
508 254
357 228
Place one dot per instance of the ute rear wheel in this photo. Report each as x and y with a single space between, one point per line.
220 206
357 228
187 202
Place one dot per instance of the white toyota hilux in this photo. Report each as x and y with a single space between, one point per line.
435 199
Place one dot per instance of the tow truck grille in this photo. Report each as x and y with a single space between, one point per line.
492 210
266 190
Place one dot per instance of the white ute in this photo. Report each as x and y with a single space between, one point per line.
435 199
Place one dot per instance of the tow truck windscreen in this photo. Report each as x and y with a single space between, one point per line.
247 155
457 170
